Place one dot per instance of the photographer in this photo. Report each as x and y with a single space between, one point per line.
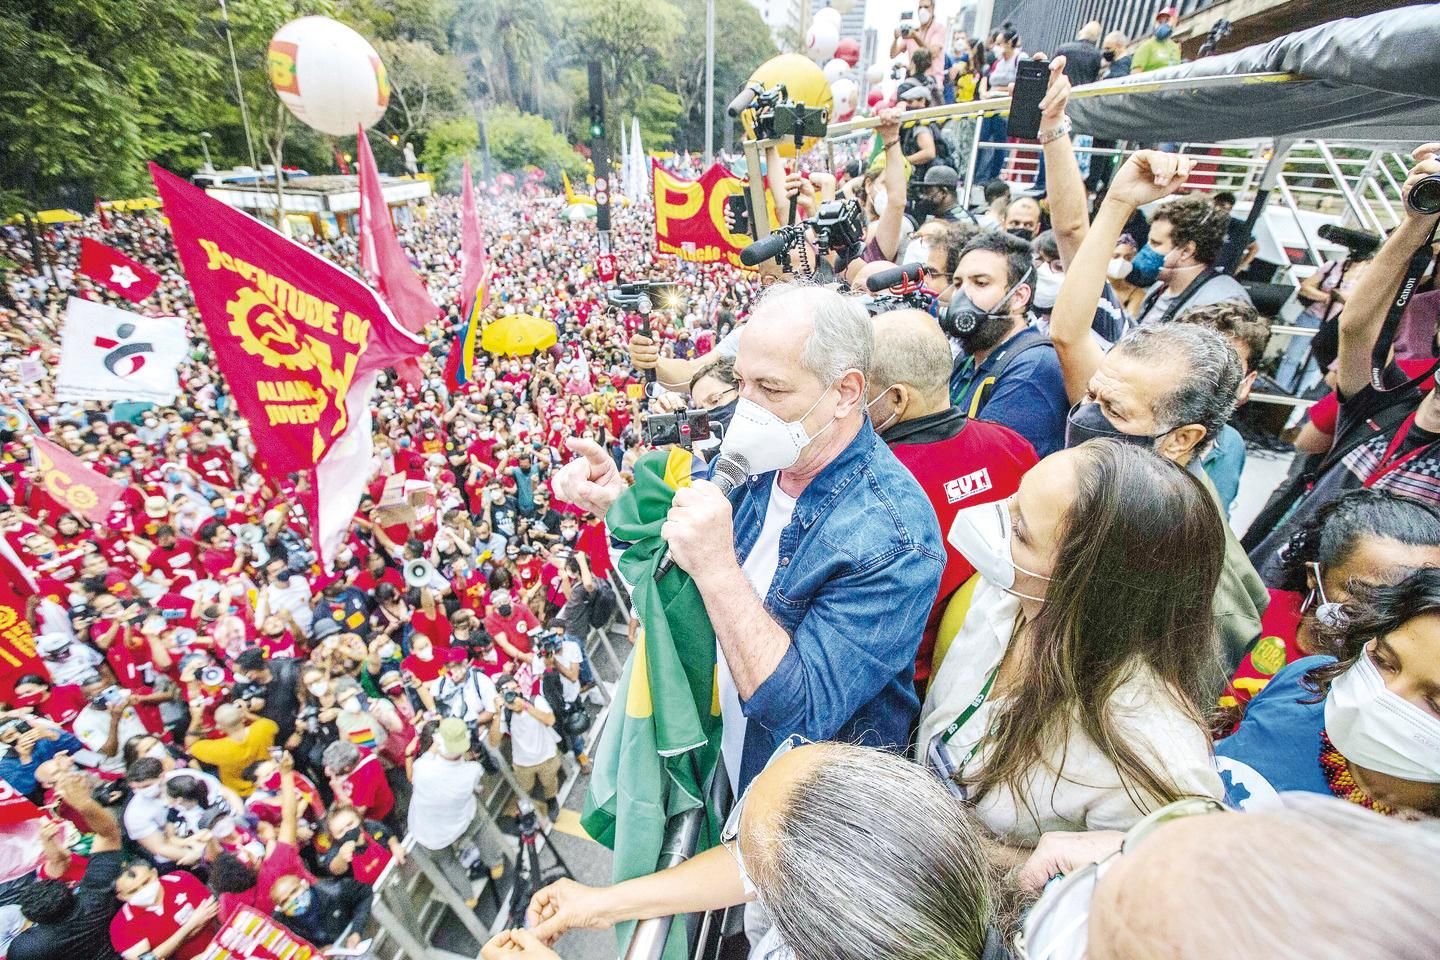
531 726
270 688
108 720
464 692
560 684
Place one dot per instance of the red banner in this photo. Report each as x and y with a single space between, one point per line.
690 215
72 483
291 330
250 935
116 272
17 641
386 267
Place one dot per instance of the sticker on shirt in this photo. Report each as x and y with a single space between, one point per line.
968 486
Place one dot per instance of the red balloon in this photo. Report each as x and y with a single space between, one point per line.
848 50
874 97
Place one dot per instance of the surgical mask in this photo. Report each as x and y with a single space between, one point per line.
1088 422
299 903
1145 268
1163 31
149 792
763 441
1327 612
917 250
1047 285
318 689
881 427
879 199
982 535
146 896
1119 268
924 16
1380 730
568 534
351 705
387 651
426 654
158 752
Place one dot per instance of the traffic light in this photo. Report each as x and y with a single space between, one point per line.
597 102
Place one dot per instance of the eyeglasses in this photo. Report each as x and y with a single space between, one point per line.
1057 926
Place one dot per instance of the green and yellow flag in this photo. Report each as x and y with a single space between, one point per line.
656 756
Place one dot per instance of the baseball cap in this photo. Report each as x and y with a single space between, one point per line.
454 736
455 655
940 175
500 596
1165 12
48 643
324 628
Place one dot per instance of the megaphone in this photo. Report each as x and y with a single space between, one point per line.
250 534
418 573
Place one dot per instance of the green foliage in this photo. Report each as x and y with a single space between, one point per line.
742 43
446 147
658 110
519 140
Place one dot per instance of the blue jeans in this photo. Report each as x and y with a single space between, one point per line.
991 160
1297 371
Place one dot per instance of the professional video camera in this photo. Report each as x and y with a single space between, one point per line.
839 226
903 288
1359 243
643 295
246 690
682 428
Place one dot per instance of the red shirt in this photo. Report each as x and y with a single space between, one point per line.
180 893
470 590
425 670
215 560
367 582
369 789
515 628
594 542
1275 648
213 466
959 463
63 705
179 562
283 861
436 627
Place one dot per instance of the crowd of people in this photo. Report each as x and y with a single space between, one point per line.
982 625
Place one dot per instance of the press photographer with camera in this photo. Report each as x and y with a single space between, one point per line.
530 723
560 684
824 662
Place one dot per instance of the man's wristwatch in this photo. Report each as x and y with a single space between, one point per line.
1055 133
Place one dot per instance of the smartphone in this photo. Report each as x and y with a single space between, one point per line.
739 207
1031 79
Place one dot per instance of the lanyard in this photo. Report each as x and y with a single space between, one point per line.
969 712
1388 465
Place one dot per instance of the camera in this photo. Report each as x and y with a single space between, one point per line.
1425 197
308 718
248 690
108 697
840 226
511 697
636 295
682 428
908 23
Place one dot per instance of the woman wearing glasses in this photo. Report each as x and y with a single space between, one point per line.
1073 696
1363 724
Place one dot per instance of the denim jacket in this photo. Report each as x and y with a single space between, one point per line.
860 565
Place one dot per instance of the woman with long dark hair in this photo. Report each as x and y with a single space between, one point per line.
1363 722
1073 696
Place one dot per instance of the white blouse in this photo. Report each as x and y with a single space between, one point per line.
1087 794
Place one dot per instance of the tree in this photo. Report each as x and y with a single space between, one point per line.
446 147
630 38
425 86
742 43
506 46
519 140
658 110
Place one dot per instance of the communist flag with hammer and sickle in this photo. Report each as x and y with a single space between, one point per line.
72 483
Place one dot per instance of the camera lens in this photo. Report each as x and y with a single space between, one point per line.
1425 197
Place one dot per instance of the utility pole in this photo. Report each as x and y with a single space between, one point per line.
239 90
709 83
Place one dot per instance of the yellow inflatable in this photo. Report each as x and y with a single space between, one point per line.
804 83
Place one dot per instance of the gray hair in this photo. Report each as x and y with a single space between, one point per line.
1206 392
842 338
872 857
340 755
1373 894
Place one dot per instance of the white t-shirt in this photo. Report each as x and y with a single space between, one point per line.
442 803
569 655
92 726
531 742
146 815
759 568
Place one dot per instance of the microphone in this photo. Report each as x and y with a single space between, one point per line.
741 101
1359 242
727 473
766 249
910 273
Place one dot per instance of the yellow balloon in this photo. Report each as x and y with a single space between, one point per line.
804 83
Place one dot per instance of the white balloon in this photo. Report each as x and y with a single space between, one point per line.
828 15
847 97
328 75
835 69
821 41
875 73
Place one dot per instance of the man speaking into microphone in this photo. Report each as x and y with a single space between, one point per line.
818 571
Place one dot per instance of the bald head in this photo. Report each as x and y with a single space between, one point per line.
1023 214
910 348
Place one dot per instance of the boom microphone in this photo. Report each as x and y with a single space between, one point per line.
909 274
741 101
765 249
1360 243
727 473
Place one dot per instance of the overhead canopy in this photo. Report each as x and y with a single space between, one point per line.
1368 78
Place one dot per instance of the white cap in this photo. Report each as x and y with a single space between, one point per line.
51 643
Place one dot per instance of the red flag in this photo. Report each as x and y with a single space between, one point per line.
72 483
386 267
473 262
116 272
299 341
17 649
104 217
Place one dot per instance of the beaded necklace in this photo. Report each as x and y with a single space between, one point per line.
1342 782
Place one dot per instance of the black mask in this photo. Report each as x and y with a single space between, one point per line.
504 609
1024 233
922 208
1088 422
1108 56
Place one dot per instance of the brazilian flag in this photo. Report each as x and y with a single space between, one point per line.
655 758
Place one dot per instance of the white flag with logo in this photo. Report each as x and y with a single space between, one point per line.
114 355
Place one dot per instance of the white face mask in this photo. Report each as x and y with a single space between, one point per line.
1381 730
149 792
878 199
917 251
765 441
881 427
351 705
426 654
1119 269
924 16
982 535
147 895
318 689
1047 285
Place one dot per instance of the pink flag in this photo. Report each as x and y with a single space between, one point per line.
73 483
472 247
386 267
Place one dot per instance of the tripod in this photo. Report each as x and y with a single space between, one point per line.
529 875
